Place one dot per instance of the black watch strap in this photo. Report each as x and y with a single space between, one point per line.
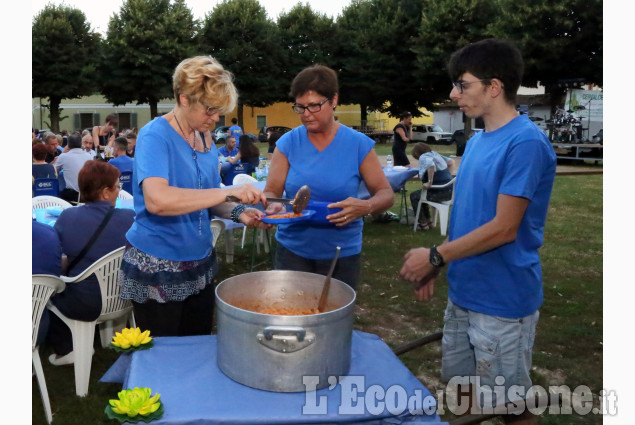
436 259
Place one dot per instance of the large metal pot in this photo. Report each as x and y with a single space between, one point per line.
275 352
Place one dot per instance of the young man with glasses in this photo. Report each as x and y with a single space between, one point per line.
501 200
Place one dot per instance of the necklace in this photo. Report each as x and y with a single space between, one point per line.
183 133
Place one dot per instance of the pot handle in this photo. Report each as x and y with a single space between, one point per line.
270 331
285 339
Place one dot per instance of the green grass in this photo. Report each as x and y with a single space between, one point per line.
568 348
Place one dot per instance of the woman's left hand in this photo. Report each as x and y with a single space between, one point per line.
253 218
352 209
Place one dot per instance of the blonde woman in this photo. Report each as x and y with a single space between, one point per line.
168 266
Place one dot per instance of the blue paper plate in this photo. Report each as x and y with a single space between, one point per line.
306 214
321 211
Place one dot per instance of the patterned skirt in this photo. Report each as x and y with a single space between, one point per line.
144 277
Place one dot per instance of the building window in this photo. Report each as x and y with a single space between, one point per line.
261 121
124 120
221 121
86 121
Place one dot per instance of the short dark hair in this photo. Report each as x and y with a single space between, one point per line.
39 151
113 119
75 140
319 78
234 120
419 149
94 177
131 136
404 115
490 58
122 143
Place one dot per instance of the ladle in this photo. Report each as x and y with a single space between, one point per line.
327 283
299 202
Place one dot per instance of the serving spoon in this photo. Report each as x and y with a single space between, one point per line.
327 283
299 202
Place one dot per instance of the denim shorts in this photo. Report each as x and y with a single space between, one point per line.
495 349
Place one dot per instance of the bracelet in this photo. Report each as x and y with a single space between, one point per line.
236 212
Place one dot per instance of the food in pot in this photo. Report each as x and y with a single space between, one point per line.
288 311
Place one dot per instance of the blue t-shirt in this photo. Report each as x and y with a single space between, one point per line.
46 255
332 175
225 152
162 152
517 160
236 131
123 163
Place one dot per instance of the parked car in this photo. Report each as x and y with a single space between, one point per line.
220 133
459 139
430 134
264 131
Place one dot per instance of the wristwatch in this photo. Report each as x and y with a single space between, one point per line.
436 259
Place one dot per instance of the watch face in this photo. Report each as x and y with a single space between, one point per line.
435 258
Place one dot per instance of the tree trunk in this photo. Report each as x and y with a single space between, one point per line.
153 109
363 115
239 111
54 113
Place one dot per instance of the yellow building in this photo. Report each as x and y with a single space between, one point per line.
87 111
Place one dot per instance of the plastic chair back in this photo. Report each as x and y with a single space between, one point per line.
218 226
236 169
48 201
124 195
126 179
441 209
243 179
46 187
61 180
43 286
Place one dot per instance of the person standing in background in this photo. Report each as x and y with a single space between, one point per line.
402 135
236 131
104 135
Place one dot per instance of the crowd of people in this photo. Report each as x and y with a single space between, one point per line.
501 198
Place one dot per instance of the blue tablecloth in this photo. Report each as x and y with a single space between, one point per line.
195 391
41 215
397 179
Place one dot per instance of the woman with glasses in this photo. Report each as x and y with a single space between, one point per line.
169 264
99 185
332 160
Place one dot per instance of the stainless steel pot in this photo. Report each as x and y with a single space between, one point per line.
275 352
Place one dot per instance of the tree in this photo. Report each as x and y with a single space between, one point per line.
61 40
560 41
144 44
307 38
240 36
376 62
445 27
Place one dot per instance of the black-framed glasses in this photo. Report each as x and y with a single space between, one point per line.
313 107
460 85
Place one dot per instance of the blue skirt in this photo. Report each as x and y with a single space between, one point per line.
144 277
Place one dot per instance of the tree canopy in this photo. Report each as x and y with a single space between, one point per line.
144 43
61 42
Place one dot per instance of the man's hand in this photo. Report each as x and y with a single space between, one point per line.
418 270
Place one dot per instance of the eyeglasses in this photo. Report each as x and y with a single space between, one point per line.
313 107
210 110
460 85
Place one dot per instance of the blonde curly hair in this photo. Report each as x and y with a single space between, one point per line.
203 79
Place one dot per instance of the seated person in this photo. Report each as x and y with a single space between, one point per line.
88 144
229 152
46 258
72 162
272 139
122 161
99 185
40 169
433 170
132 143
248 152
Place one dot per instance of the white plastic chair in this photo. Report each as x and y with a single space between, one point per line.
124 195
48 201
113 309
218 226
43 286
443 208
242 179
